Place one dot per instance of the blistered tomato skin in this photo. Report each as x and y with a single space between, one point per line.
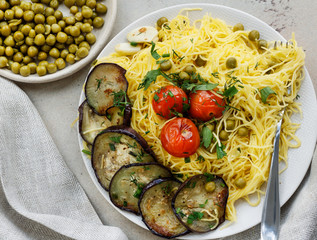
168 100
180 137
204 105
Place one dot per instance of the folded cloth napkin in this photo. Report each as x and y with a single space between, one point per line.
39 196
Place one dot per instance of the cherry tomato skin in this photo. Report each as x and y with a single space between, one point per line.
204 105
169 99
180 137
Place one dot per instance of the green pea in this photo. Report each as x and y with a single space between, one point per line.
262 44
54 52
18 57
49 12
56 28
58 15
98 22
80 3
75 31
200 62
101 8
50 40
254 35
4 5
27 59
18 13
42 56
38 8
231 62
238 27
210 186
62 24
6 30
91 3
39 28
211 126
15 2
25 5
230 124
60 46
39 39
190 69
9 41
70 40
184 75
28 16
64 53
84 44
51 68
90 38
70 58
82 52
32 33
32 66
70 20
1 15
87 21
166 65
86 11
23 49
43 63
9 14
15 67
61 37
69 3
3 62
46 48
243 131
161 21
86 28
32 51
60 63
9 51
39 18
25 71
50 20
41 70
26 29
72 48
73 9
240 183
223 135
2 50
54 4
79 17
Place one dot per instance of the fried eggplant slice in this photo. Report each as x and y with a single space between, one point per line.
117 146
102 82
200 202
156 210
90 123
127 184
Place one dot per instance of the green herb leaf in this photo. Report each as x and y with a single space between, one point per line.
200 159
180 212
206 137
86 151
154 54
125 203
187 159
112 147
149 78
210 177
165 55
134 44
230 92
220 151
265 92
115 139
204 204
194 216
147 132
138 192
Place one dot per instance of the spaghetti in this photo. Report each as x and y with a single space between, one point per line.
246 157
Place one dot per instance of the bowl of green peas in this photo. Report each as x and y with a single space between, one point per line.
47 40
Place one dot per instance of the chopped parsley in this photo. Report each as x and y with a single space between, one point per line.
204 204
165 55
134 44
220 151
200 159
154 53
115 139
187 159
180 212
194 216
99 80
112 147
210 177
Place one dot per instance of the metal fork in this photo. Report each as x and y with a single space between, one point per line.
271 211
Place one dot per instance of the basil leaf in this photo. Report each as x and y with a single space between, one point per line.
207 136
220 151
265 92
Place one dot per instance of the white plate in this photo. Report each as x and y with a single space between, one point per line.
299 159
102 35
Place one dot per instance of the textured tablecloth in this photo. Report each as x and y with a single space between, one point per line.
41 199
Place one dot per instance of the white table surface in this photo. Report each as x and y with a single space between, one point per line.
57 102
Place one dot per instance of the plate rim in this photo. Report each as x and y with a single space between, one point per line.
72 69
174 8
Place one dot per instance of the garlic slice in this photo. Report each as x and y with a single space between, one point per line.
127 49
143 34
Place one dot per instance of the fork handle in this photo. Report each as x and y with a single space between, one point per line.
271 210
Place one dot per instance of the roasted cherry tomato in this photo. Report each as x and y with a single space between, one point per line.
204 105
180 137
169 100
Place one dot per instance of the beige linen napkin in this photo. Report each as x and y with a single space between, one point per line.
39 196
